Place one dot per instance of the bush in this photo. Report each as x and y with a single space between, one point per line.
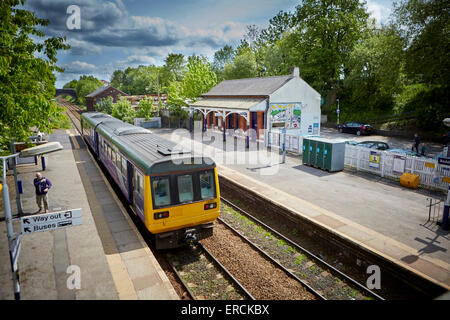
147 109
122 110
105 105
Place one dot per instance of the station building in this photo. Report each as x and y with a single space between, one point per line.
263 104
103 92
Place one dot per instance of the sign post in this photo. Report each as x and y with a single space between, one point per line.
13 239
284 144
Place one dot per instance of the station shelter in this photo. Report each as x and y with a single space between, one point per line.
262 104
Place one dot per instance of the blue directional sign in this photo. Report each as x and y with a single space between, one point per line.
51 221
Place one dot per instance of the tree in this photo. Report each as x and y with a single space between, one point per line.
117 79
244 66
85 86
323 37
175 64
375 70
199 77
426 25
278 25
147 109
72 84
122 110
105 105
27 83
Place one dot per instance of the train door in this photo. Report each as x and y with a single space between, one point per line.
96 143
138 194
130 175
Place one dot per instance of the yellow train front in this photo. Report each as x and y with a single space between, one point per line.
174 193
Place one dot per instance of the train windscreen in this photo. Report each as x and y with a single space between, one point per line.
183 188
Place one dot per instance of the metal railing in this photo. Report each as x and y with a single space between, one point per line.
434 210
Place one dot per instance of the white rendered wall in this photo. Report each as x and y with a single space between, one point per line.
294 91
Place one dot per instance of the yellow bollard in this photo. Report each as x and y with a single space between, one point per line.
409 180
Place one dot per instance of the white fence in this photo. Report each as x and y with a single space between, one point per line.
382 163
294 143
388 164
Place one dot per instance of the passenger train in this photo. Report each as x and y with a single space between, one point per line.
176 195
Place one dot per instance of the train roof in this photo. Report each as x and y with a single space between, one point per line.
151 152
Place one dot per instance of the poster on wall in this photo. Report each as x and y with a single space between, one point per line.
286 113
399 164
374 160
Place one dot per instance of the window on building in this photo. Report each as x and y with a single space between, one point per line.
207 184
185 188
161 192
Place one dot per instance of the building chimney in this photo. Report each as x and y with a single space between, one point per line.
295 72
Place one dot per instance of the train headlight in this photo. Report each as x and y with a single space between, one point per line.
161 215
210 206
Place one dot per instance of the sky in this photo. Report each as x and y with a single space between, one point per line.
116 34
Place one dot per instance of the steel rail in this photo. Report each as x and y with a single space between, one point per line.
310 254
191 294
287 271
226 271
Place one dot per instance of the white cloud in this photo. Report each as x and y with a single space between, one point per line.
79 67
378 11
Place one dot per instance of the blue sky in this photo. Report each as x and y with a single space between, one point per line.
116 34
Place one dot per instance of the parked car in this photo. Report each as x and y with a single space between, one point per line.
407 152
357 128
446 138
379 145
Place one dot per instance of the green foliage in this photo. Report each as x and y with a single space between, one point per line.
85 86
105 105
122 110
426 25
147 109
375 70
27 83
244 66
174 66
59 120
72 84
431 104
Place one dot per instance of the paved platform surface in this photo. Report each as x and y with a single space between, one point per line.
374 213
114 260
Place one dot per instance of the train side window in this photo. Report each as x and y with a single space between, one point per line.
140 183
185 188
124 167
161 192
207 184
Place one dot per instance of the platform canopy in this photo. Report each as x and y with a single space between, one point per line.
231 104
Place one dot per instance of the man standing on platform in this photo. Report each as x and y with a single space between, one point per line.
42 185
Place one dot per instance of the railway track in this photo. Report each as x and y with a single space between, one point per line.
203 276
321 278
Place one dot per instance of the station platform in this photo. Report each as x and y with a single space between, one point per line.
113 258
376 214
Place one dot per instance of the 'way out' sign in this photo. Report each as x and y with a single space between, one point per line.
51 221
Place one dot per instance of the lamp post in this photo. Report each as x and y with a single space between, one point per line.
445 215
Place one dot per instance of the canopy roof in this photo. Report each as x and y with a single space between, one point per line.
231 103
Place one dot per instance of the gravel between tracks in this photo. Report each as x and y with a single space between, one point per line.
260 277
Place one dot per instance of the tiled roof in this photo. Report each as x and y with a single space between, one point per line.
248 87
